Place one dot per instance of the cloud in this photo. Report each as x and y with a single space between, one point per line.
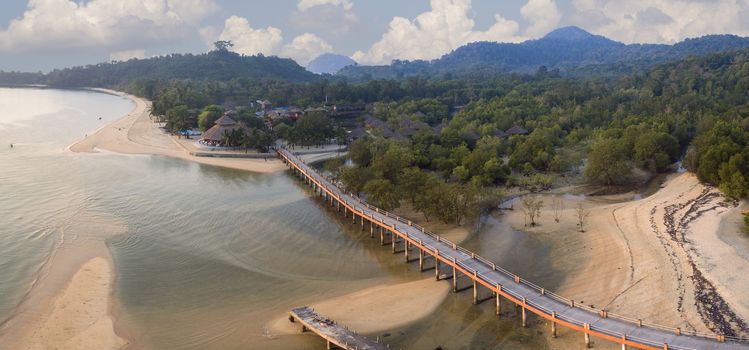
432 34
305 5
126 55
268 41
305 48
661 21
543 16
65 25
250 41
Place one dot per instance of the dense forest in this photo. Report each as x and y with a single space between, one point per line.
443 136
217 65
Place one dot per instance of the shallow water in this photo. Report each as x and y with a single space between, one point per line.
204 256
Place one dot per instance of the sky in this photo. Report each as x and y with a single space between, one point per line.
40 35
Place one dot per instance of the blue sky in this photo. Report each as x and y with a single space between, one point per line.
46 34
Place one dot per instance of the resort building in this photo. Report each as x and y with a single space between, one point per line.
212 136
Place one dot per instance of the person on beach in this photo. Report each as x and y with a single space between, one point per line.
11 145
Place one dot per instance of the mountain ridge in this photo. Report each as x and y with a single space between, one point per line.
571 50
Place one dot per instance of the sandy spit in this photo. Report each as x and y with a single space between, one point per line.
662 259
80 318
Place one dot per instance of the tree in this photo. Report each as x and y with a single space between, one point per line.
208 116
223 45
558 207
532 208
608 162
654 151
411 182
176 118
354 178
582 215
360 153
382 193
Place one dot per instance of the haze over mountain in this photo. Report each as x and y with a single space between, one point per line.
572 50
329 63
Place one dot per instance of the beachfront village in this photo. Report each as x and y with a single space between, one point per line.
256 126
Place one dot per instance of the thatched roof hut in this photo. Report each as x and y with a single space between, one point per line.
225 123
516 130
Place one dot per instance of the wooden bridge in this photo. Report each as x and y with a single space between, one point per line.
333 333
488 278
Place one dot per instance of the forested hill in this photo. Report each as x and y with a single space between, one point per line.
212 66
571 50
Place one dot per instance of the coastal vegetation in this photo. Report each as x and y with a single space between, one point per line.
449 134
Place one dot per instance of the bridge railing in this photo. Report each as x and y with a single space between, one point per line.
511 275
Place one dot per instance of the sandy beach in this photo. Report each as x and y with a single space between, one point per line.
669 242
135 133
80 314
69 306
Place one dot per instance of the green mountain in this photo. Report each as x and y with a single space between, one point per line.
212 66
571 50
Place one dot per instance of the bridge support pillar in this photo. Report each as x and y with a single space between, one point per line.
624 346
421 260
475 293
362 223
394 241
437 265
553 324
405 243
524 321
353 216
329 345
371 229
455 280
498 301
587 335
382 237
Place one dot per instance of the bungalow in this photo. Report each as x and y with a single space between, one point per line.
212 136
516 130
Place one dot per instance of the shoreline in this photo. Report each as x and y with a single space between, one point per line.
668 242
135 133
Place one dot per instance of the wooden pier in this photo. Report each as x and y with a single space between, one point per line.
334 334
488 278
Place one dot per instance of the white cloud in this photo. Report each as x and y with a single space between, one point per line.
305 5
250 41
305 48
543 16
268 41
432 34
662 21
49 25
126 55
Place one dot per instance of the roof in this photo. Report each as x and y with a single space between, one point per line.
214 133
225 120
357 133
499 133
516 130
372 122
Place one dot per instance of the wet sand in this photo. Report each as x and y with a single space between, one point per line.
376 309
647 258
79 318
69 306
